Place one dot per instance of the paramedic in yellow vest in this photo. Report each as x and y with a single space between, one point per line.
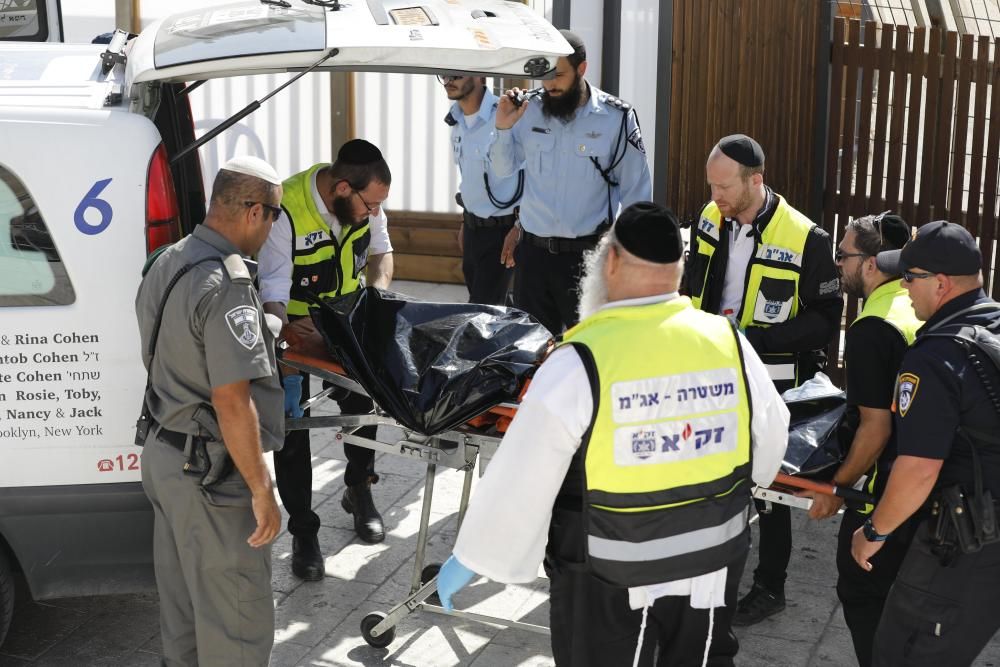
873 352
629 466
331 235
757 261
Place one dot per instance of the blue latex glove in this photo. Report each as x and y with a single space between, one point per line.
452 578
293 395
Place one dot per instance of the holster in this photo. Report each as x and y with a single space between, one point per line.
206 457
962 523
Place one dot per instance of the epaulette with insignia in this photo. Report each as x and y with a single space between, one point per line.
237 269
613 101
449 120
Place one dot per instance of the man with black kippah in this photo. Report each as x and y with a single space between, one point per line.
630 472
942 608
874 346
759 262
583 159
331 235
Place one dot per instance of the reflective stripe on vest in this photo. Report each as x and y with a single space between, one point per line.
324 265
891 303
667 462
771 295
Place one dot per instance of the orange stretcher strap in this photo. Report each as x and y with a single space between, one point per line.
314 362
823 487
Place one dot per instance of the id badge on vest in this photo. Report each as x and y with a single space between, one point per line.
774 301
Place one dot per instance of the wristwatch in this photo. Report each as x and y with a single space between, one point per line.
872 535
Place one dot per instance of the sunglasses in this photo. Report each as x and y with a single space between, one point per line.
275 211
445 79
910 276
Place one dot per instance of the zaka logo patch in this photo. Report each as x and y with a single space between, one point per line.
243 322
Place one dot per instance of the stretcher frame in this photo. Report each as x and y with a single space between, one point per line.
379 629
463 448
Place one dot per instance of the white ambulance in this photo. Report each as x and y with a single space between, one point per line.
92 178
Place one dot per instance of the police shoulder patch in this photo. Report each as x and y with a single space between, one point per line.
244 325
906 392
635 138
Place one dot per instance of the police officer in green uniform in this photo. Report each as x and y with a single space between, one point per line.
631 471
764 265
332 233
213 400
942 608
873 351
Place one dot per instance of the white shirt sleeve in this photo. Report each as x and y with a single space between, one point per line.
274 262
378 226
769 426
506 527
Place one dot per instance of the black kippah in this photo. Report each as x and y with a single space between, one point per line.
893 230
651 232
743 149
359 151
579 49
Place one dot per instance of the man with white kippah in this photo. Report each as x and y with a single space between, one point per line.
213 406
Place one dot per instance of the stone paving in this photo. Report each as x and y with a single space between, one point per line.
317 624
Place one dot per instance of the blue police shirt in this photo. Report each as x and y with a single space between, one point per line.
470 146
938 390
564 193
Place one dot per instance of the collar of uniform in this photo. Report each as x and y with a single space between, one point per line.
641 301
594 103
329 218
891 286
960 302
215 239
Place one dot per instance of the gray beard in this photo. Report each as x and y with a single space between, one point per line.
593 288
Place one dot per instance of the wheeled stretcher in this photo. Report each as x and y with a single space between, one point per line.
401 349
457 449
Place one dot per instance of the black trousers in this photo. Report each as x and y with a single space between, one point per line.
863 593
939 615
593 626
487 279
293 465
775 547
546 285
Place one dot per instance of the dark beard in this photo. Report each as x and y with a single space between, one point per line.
564 106
344 211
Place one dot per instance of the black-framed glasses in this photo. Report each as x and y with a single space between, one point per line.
275 211
840 255
371 209
445 79
910 276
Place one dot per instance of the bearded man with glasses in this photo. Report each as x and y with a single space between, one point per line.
330 239
873 351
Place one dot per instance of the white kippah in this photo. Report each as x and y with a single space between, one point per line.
253 166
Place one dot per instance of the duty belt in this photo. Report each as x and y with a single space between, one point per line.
475 222
176 439
556 244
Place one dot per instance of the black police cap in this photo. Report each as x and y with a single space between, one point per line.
359 151
651 232
743 149
939 247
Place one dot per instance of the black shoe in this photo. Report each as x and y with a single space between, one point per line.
307 560
757 605
358 501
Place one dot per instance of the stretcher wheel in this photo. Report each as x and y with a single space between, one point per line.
429 572
369 622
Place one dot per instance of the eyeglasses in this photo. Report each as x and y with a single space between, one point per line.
840 255
445 79
371 209
275 211
910 276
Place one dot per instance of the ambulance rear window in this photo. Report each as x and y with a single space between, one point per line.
31 271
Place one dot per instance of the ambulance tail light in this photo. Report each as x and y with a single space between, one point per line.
163 219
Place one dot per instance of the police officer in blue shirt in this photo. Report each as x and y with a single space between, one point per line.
488 200
942 608
583 159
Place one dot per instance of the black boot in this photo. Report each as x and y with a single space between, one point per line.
358 501
307 560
